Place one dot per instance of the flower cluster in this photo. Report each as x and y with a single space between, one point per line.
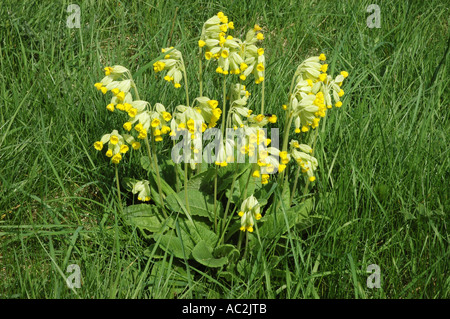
116 145
233 55
250 211
173 64
311 98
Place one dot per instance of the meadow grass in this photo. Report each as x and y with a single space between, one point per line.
384 162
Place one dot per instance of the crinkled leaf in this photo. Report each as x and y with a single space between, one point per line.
145 217
274 223
202 253
200 204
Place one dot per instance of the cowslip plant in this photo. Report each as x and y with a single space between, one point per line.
234 164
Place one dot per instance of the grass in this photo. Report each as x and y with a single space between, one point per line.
384 161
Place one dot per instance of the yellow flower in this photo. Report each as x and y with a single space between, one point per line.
132 112
127 126
139 127
260 117
110 107
156 122
312 178
142 134
166 116
158 66
260 51
322 57
243 66
273 118
98 145
201 43
165 129
108 70
224 27
344 74
225 54
260 67
256 28
113 139
116 158
136 145
109 153
338 104
260 36
123 148
121 96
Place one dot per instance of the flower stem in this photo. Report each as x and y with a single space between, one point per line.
262 97
158 178
229 201
294 188
185 187
215 198
118 187
185 82
224 107
149 152
200 71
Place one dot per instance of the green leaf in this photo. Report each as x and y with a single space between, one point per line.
203 232
202 253
274 223
200 204
171 243
202 182
146 217
167 168
229 251
145 163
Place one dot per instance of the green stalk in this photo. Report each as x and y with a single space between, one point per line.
185 187
215 198
294 188
185 82
224 107
222 128
118 187
305 190
158 177
228 201
200 71
262 97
